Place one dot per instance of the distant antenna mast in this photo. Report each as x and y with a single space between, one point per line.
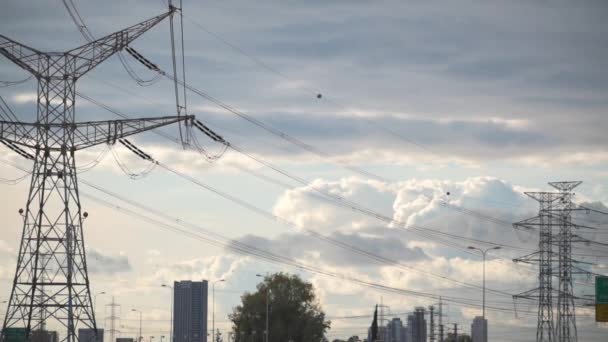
113 318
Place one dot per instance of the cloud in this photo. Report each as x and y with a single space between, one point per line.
378 241
6 248
105 264
476 208
307 207
494 103
26 97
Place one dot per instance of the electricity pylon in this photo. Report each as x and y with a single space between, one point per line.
555 226
544 257
52 235
566 318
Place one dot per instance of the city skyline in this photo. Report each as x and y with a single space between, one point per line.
429 130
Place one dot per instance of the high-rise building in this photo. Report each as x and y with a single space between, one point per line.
394 331
44 336
88 335
190 311
416 325
479 329
125 339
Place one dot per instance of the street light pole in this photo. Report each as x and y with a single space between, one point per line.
267 334
483 255
139 339
213 308
171 323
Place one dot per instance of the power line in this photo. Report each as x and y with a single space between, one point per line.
233 244
417 230
312 233
239 247
317 94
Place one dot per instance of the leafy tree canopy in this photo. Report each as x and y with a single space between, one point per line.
295 314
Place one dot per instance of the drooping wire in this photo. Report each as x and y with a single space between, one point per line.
423 232
318 94
122 115
312 233
4 107
14 181
278 133
92 164
240 247
4 84
127 171
210 158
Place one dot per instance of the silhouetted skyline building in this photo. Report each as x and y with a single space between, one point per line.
44 336
395 331
88 335
479 329
125 339
190 311
416 325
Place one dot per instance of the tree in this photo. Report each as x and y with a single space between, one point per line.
294 315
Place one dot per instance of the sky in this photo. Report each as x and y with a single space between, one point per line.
437 115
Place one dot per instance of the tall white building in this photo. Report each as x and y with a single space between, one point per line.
479 329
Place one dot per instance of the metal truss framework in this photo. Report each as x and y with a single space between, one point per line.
555 226
51 283
566 318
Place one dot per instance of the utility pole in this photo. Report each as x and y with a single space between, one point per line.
171 314
140 338
267 333
432 323
440 319
213 308
484 252
455 332
53 217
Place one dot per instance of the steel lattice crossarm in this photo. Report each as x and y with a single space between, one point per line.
529 258
85 134
535 222
84 58
528 224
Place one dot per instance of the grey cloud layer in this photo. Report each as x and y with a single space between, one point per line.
107 264
382 242
464 62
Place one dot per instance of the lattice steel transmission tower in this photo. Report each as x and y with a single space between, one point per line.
545 258
52 235
555 227
566 318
